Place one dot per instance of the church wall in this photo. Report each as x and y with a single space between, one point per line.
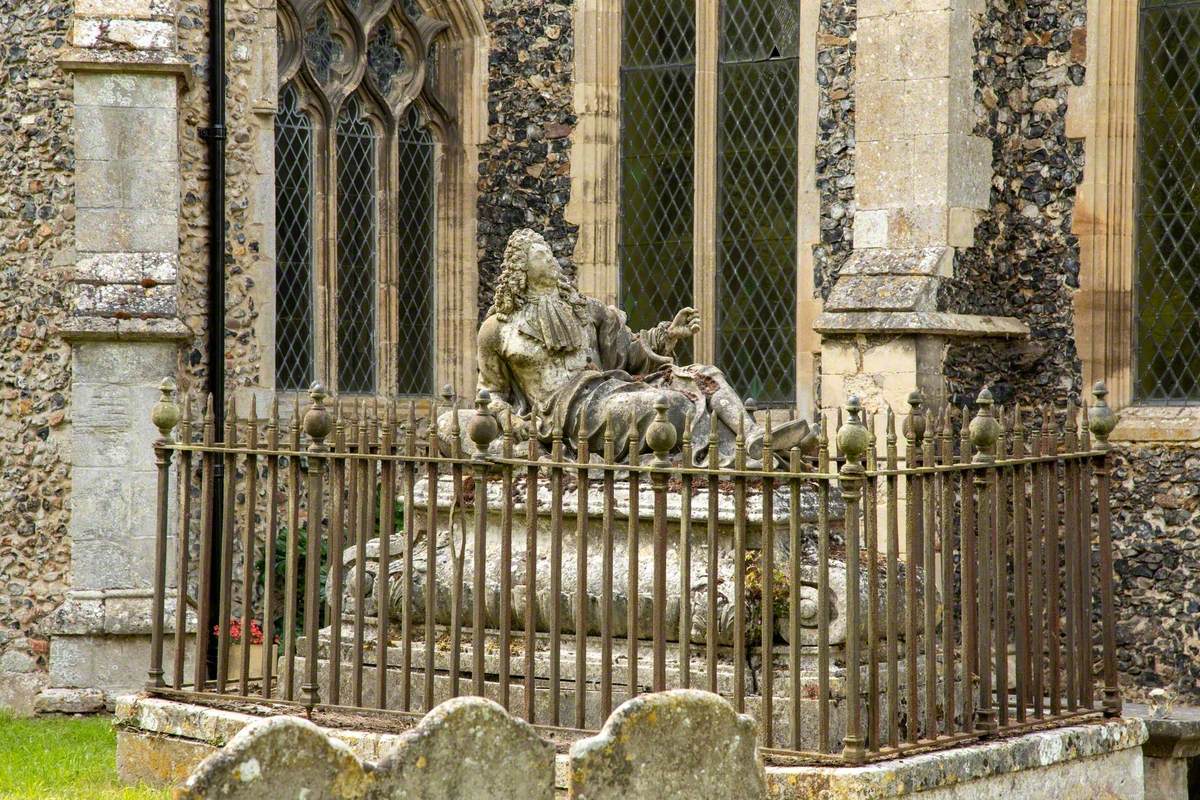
37 235
525 161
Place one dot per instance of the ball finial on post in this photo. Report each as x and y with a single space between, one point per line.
985 428
165 414
853 438
914 426
317 422
1101 419
483 429
661 435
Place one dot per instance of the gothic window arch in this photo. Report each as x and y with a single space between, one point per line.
361 137
709 180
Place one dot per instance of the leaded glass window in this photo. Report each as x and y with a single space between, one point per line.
293 245
356 250
358 140
743 276
657 153
1167 198
415 273
756 197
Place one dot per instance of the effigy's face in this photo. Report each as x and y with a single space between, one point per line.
543 267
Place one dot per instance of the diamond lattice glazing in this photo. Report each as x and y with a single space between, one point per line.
415 279
1167 273
293 245
657 147
356 243
756 207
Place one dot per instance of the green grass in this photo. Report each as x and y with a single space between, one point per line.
60 758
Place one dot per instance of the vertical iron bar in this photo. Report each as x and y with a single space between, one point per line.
871 533
914 432
248 546
1070 555
767 565
226 575
632 560
970 589
531 501
316 425
183 554
432 452
479 565
582 515
710 633
1000 551
949 546
685 561
556 556
165 411
505 566
606 600
739 571
852 442
823 466
407 582
1021 566
893 587
1052 569
794 570
337 547
929 580
387 527
292 558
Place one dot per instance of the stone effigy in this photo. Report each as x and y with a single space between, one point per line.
556 362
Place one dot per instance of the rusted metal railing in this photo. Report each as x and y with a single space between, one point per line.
874 600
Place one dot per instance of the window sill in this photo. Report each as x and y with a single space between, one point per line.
1149 424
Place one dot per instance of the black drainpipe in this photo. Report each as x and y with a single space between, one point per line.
215 136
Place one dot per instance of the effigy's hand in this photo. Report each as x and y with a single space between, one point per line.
685 325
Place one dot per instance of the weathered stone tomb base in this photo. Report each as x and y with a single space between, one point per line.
162 741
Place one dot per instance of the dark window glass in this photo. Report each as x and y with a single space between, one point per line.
415 276
657 146
293 245
1167 271
758 97
356 249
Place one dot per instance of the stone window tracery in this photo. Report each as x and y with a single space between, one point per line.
709 180
360 143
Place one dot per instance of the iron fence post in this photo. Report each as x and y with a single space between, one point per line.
1102 422
317 425
165 416
853 440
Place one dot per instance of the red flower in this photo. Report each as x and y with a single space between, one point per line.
235 631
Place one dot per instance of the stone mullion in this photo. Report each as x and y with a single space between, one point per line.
808 212
1103 113
329 248
708 23
387 312
595 149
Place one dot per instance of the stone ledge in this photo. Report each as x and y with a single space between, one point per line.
1177 735
947 768
116 329
939 323
84 59
1154 424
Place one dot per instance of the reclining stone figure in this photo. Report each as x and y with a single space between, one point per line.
560 361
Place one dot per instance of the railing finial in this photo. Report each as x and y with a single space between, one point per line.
317 422
165 414
985 428
852 437
483 429
914 426
661 434
1101 418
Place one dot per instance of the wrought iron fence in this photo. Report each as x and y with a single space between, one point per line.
899 591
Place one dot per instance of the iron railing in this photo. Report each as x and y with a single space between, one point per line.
862 605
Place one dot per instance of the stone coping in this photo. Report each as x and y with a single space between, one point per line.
902 777
111 59
939 323
944 768
1175 735
1153 424
79 329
